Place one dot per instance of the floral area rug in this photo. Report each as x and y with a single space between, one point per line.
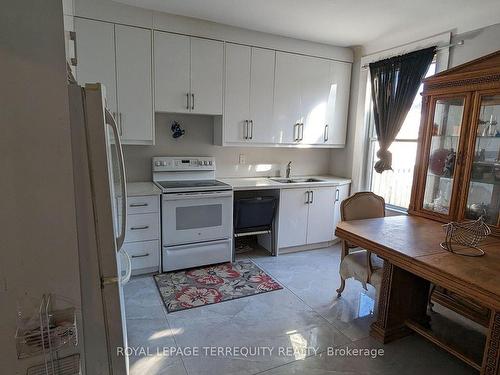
196 287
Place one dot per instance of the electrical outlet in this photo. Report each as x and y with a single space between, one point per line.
242 159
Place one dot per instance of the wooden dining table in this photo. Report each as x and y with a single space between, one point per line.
413 259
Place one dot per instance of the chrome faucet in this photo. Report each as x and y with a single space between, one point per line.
288 169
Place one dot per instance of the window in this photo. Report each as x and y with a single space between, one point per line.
395 185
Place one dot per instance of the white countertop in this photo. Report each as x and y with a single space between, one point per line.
258 183
135 189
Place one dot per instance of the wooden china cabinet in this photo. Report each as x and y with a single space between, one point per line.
457 170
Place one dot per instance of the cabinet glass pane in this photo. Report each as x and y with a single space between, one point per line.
484 186
442 154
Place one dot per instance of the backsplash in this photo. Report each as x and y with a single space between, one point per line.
198 141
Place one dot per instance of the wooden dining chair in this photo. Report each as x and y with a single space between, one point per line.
356 262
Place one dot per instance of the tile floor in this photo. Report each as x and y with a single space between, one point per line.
303 323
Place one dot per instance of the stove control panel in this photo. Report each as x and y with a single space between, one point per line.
180 163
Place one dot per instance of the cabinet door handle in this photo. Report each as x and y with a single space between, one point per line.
140 256
312 197
325 136
301 128
192 104
245 129
138 205
337 195
251 129
308 197
296 132
72 37
187 101
140 228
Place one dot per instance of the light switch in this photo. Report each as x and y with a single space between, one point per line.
242 159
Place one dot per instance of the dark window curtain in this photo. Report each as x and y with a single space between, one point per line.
395 83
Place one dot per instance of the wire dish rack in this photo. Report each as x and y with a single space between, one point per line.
46 333
464 238
69 365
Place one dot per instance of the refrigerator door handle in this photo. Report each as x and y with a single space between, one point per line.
125 279
123 222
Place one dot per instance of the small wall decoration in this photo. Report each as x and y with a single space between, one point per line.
177 130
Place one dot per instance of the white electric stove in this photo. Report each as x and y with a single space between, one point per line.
197 212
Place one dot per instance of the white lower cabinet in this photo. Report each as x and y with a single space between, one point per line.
341 193
142 236
306 216
293 212
145 256
320 223
142 227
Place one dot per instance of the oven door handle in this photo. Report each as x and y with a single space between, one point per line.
188 245
201 195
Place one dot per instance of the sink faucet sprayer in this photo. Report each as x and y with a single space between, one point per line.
288 169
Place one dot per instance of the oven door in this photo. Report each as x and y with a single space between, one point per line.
196 217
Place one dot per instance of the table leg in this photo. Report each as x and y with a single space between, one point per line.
491 361
403 296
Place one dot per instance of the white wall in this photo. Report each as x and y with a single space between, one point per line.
477 43
341 163
38 248
348 162
198 141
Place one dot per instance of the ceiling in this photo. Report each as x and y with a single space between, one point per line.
339 22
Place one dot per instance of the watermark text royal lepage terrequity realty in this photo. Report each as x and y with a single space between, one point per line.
248 351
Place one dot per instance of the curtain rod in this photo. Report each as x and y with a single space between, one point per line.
458 43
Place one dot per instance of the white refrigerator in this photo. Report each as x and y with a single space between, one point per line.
101 206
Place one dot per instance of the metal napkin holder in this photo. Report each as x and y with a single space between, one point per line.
467 234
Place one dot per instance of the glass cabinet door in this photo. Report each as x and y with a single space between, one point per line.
483 197
443 146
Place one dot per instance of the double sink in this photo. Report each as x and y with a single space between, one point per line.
295 180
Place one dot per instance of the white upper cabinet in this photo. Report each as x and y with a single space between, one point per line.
172 72
249 85
338 103
261 95
134 91
120 58
95 42
207 68
311 97
188 74
287 113
315 87
258 96
237 93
